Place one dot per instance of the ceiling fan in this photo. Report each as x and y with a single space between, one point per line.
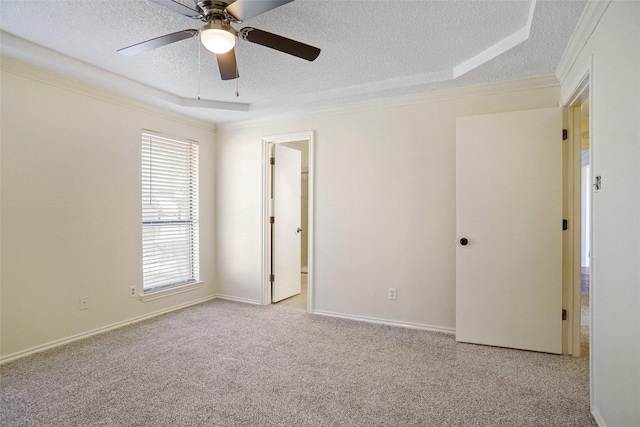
218 36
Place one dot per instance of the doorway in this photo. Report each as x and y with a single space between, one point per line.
300 268
579 212
585 228
579 297
579 242
300 300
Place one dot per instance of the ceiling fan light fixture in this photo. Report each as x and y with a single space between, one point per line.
217 38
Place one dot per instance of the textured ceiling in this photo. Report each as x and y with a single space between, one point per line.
370 49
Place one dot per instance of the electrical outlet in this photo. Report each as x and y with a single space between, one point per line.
132 291
392 293
84 303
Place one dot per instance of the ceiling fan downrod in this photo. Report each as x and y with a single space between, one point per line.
219 37
215 10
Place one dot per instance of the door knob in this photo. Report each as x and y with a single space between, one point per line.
298 230
464 241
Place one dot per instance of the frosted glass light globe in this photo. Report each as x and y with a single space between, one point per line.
217 40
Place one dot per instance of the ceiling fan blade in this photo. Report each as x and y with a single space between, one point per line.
228 65
178 7
157 42
246 9
280 43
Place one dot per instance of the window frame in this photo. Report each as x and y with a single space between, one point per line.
170 214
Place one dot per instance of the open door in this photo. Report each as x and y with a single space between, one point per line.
285 227
509 230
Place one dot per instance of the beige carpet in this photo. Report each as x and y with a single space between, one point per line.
229 364
584 326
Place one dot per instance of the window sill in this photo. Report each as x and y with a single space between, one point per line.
150 296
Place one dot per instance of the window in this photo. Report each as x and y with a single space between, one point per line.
169 211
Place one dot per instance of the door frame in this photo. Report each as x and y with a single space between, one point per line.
583 86
574 207
267 143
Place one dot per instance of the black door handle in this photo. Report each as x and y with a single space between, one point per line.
464 241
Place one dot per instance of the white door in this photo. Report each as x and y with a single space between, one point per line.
285 237
509 210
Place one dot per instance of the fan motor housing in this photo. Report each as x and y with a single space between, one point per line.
213 10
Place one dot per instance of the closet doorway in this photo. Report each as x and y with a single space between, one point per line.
288 220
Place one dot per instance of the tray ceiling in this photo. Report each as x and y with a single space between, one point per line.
370 50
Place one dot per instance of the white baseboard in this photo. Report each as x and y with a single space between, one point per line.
57 343
378 321
410 325
238 299
597 417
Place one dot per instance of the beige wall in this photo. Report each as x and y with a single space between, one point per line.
384 205
614 91
71 209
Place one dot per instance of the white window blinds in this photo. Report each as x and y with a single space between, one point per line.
169 211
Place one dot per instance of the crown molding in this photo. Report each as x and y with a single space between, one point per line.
446 74
38 56
399 101
587 23
499 48
32 72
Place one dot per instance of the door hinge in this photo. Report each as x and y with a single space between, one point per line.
564 314
272 278
272 160
565 134
272 220
565 225
598 183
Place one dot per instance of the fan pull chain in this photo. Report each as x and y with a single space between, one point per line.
237 73
199 66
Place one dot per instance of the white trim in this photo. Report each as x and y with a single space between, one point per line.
267 142
398 101
41 75
592 246
597 417
379 321
238 299
33 53
311 176
572 251
586 81
265 292
154 133
593 12
576 94
289 137
57 343
162 293
22 49
577 87
442 75
499 48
